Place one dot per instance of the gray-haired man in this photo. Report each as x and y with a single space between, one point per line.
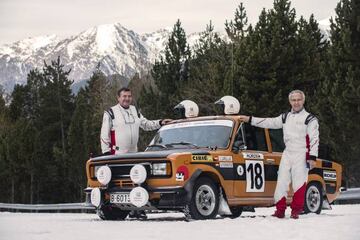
301 138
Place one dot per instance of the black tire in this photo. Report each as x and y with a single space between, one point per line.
235 212
313 198
106 212
204 203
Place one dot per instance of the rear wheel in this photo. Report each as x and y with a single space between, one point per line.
313 198
204 203
106 212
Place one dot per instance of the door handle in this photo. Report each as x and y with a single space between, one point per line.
270 160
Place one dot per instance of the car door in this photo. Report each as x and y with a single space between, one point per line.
252 165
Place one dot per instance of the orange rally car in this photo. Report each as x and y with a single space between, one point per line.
202 166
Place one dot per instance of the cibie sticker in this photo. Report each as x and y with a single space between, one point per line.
201 158
225 158
329 175
253 155
226 165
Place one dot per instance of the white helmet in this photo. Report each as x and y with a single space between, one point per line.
230 105
187 109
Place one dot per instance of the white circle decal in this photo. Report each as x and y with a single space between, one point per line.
240 170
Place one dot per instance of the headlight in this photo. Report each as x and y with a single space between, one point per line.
160 169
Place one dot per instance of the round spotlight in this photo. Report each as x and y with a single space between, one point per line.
95 197
138 174
139 196
103 175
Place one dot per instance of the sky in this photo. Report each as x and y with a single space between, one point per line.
20 19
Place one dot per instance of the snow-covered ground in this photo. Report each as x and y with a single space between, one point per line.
342 222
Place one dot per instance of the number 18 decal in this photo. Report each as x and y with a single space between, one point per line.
255 180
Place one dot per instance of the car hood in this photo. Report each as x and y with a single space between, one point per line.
150 154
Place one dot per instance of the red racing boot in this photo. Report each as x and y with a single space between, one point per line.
280 208
294 214
278 214
297 204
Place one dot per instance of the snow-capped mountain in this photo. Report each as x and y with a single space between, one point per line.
117 49
324 26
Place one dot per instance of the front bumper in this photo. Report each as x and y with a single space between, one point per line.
161 198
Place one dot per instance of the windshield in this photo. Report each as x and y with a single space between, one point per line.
207 133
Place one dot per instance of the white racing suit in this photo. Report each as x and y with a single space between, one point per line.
301 138
120 129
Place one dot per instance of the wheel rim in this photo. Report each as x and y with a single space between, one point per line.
205 200
313 198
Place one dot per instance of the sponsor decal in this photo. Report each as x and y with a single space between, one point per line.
240 170
180 176
225 158
182 173
201 158
329 175
253 155
226 165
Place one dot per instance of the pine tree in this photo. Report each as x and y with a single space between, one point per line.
237 29
55 111
81 143
5 161
210 70
172 71
281 54
340 91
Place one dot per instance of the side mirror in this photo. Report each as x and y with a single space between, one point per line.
238 145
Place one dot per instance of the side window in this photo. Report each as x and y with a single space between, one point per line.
255 138
277 140
239 141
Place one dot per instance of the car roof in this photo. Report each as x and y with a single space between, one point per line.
220 117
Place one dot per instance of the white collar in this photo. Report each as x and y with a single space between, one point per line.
295 112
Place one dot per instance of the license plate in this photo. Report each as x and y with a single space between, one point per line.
119 198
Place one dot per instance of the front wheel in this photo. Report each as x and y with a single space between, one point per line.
204 203
106 212
313 198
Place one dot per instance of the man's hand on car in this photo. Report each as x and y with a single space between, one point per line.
165 122
312 164
244 118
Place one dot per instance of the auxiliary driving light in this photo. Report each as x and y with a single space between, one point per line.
95 197
103 175
138 174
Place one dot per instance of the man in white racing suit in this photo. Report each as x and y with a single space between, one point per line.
121 123
120 130
301 138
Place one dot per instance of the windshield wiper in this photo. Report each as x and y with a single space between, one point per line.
156 145
182 143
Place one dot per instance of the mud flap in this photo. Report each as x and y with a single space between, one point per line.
326 205
224 209
190 184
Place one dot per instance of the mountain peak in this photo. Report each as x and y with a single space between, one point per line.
117 49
